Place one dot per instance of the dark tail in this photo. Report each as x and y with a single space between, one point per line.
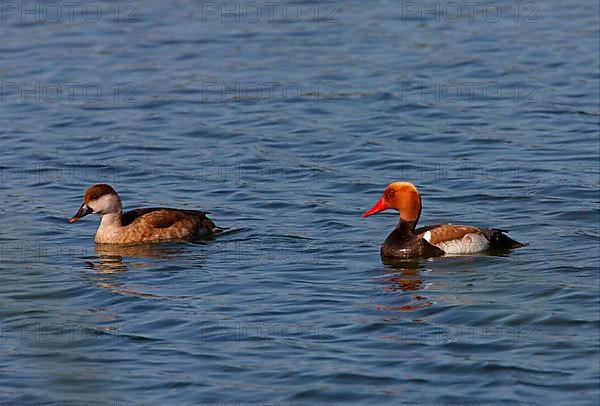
500 240
211 227
217 230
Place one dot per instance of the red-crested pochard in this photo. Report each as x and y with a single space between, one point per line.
141 226
407 242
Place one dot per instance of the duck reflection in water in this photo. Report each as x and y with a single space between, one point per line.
410 276
112 260
405 276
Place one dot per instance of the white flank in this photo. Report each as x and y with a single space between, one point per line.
469 244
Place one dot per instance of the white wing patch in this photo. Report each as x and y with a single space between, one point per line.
469 244
427 236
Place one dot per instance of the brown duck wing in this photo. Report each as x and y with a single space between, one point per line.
159 217
165 218
446 232
422 230
132 215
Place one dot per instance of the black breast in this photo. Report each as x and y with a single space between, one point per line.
402 243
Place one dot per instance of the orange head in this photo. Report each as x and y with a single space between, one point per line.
402 196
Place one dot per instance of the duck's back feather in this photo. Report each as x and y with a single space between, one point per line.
163 217
443 233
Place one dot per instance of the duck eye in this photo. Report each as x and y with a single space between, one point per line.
391 193
94 197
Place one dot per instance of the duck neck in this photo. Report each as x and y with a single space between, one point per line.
407 226
111 220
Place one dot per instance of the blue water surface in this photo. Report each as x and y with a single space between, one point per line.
286 121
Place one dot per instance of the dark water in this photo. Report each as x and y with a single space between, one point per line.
287 128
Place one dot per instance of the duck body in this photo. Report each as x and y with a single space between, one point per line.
407 241
141 226
153 225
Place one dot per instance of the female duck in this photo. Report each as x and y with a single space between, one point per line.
141 226
407 242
